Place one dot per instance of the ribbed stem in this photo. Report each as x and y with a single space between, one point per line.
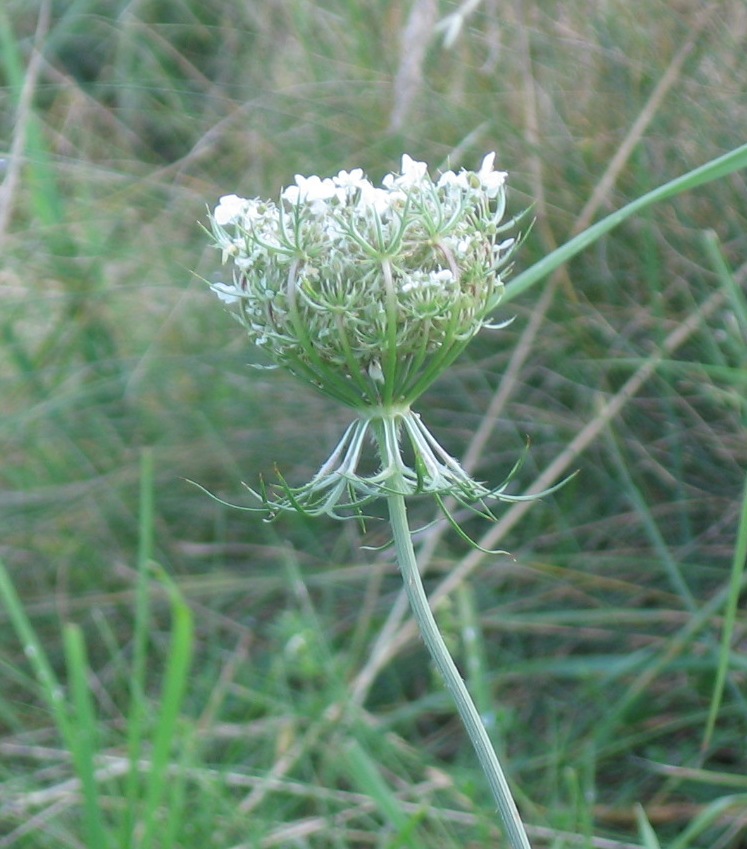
473 724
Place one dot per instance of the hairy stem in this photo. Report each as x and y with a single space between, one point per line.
473 724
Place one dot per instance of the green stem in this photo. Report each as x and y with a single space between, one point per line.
512 823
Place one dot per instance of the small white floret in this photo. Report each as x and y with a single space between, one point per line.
312 191
230 208
491 181
374 200
413 173
449 179
350 182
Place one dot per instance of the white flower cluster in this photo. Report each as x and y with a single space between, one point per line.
367 292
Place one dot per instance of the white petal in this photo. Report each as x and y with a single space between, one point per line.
229 209
227 294
487 163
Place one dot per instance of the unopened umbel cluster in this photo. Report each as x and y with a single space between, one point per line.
368 293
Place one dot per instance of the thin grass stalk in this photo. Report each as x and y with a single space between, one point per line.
736 582
26 84
137 709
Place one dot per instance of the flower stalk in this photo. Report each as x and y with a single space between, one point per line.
368 294
436 646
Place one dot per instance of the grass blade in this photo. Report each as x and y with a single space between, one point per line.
137 708
711 814
365 774
713 170
736 295
32 648
648 835
736 581
172 697
83 736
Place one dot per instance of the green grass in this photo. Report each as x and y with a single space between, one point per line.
174 673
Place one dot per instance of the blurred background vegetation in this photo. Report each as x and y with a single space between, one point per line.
593 648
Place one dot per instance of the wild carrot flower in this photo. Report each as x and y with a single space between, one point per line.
368 293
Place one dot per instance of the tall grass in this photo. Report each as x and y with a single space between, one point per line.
270 691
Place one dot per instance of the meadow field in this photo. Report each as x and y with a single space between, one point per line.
176 673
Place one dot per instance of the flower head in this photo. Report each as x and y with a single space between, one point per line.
367 292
